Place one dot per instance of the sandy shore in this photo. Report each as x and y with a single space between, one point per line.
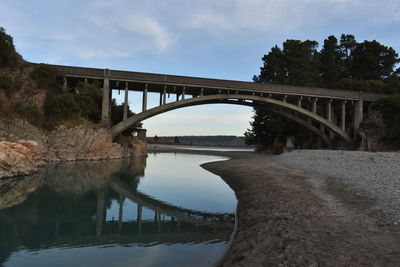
292 218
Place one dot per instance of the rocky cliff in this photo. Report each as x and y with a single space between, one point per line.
84 142
81 143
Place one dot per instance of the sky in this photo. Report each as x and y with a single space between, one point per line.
223 39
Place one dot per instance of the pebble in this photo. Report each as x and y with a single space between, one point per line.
372 174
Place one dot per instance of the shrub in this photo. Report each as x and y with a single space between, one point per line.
46 78
8 56
89 100
61 107
390 108
5 104
6 83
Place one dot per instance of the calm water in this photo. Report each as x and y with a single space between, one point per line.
205 148
161 211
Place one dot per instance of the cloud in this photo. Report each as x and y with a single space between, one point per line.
88 53
270 16
150 29
131 28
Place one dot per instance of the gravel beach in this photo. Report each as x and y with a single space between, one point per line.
373 175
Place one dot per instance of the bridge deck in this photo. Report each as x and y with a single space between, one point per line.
193 85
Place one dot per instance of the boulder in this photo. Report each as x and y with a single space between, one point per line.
20 158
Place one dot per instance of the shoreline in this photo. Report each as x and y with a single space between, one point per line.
291 217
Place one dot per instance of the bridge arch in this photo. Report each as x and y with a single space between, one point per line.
236 99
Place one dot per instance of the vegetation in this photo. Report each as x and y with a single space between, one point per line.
117 115
8 56
346 64
390 108
83 103
57 105
266 126
166 141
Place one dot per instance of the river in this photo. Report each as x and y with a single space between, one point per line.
163 210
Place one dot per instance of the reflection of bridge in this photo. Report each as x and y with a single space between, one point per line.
80 220
326 112
177 214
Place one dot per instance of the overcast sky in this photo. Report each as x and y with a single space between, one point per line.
203 38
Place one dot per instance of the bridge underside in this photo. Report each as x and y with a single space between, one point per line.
298 114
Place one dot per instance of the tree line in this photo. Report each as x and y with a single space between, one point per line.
340 64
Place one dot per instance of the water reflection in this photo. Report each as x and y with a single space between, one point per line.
96 207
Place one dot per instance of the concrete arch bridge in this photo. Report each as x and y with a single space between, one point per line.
329 113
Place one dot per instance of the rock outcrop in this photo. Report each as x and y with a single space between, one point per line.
81 143
372 131
17 129
20 158
84 142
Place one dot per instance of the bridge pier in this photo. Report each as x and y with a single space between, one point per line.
164 95
183 92
358 115
126 102
65 83
329 116
144 101
299 101
139 218
343 116
105 108
314 105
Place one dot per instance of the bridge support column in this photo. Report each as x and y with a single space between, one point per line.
126 102
299 101
164 95
144 102
183 92
329 110
314 105
105 109
343 116
65 84
329 116
358 115
139 217
313 108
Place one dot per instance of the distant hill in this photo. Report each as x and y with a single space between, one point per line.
211 140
